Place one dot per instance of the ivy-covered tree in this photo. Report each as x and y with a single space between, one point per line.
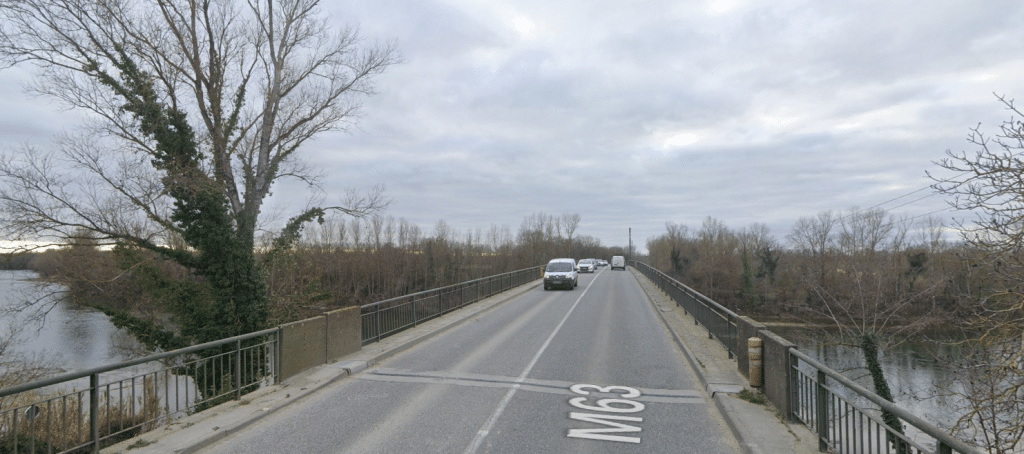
194 109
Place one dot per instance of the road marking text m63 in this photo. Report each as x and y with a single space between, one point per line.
620 405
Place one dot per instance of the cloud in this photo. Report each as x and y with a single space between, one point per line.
638 113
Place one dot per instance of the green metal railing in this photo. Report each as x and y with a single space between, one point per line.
719 321
384 318
107 404
844 415
87 410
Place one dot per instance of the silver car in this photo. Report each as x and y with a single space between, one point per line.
587 266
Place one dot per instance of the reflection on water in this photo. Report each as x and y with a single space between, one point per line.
917 372
69 337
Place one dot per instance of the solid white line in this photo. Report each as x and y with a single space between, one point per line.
486 429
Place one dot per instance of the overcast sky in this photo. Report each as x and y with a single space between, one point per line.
634 113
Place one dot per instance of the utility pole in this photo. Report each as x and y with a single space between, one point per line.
629 252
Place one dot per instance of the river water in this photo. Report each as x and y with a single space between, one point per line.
918 372
60 335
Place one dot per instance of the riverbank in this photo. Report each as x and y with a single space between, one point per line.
56 335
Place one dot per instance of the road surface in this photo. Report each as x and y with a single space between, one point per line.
591 370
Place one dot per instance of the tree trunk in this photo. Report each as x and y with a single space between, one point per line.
869 346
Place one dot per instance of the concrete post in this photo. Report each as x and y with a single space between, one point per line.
754 360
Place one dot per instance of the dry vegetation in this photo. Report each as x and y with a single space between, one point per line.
341 262
855 267
60 421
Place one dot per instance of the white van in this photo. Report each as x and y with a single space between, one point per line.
561 273
619 261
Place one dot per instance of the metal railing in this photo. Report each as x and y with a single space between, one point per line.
857 427
384 318
847 420
719 321
108 404
112 403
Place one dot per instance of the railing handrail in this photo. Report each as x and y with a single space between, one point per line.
57 379
922 425
693 293
433 290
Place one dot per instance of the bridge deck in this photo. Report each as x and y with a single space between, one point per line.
591 370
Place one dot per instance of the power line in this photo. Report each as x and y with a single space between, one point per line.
930 213
908 203
915 200
892 200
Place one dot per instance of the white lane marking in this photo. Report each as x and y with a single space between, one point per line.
486 429
651 395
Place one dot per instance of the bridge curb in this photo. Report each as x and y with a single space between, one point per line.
377 352
743 418
193 433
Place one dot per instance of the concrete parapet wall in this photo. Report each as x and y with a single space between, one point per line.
746 328
344 332
303 345
777 371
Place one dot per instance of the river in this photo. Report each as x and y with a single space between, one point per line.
917 372
62 336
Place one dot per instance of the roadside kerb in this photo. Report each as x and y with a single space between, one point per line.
192 433
760 429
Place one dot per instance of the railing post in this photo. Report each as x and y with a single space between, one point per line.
415 315
730 327
94 411
238 369
821 406
944 448
792 386
376 316
277 352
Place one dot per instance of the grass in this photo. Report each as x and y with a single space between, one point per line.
753 397
61 420
140 443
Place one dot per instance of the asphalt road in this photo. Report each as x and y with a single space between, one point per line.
586 371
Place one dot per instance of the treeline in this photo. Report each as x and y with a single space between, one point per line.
16 261
340 262
845 266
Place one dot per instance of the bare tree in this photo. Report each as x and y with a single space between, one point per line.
570 222
258 80
342 231
988 386
389 231
814 237
355 229
930 234
194 109
716 245
377 223
988 182
867 299
864 231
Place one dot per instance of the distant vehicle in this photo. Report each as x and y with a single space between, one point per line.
619 261
561 273
602 263
587 266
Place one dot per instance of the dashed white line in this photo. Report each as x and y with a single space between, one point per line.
486 429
